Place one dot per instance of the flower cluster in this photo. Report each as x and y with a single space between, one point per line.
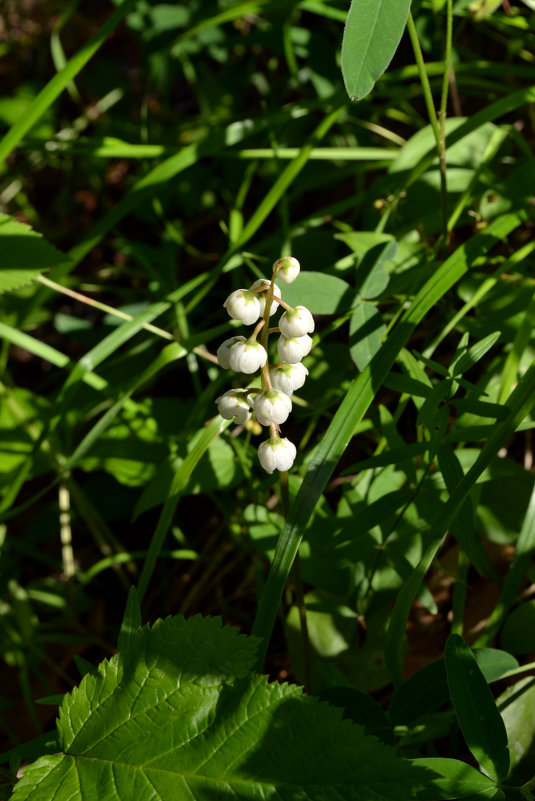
271 404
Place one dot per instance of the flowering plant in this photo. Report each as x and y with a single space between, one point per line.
271 404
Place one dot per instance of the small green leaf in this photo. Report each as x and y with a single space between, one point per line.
372 277
474 354
320 293
50 700
457 779
480 722
129 633
366 331
494 663
24 254
371 37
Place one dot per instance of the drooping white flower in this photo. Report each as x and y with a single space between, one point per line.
288 377
233 404
277 454
262 296
223 351
272 406
296 322
288 269
294 349
243 305
248 356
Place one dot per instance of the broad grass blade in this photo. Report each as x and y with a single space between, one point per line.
480 722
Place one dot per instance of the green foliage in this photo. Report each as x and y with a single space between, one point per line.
372 33
188 685
480 721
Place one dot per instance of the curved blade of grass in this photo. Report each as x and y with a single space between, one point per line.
520 403
61 80
351 411
182 476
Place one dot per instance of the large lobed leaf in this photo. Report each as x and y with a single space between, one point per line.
181 717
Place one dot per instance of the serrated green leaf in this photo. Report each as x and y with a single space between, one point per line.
24 254
188 723
480 722
320 293
371 36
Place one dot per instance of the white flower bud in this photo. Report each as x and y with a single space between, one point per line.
287 269
243 305
272 406
296 322
294 349
233 404
288 377
247 357
277 454
223 351
262 296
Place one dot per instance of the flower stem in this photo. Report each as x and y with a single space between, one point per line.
96 304
257 330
